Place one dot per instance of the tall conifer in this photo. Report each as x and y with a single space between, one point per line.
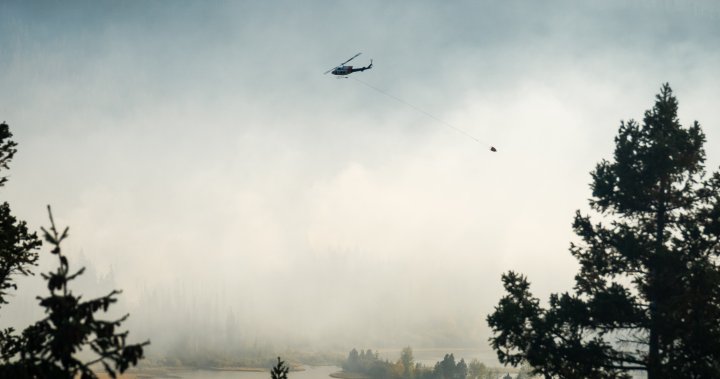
647 296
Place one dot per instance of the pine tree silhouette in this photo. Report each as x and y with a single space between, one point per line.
280 370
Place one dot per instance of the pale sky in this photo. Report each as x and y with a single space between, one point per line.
198 145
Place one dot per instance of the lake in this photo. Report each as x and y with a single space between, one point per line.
310 372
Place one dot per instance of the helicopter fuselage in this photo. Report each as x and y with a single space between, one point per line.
347 70
342 70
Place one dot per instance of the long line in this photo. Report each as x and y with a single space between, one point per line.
420 110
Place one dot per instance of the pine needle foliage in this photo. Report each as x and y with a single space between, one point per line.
50 348
280 370
18 246
647 295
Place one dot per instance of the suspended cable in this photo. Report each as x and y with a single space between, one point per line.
423 112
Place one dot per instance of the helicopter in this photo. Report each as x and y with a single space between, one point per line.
342 70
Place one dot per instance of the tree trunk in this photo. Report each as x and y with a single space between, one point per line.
653 357
653 364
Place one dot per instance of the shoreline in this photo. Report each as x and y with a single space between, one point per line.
348 375
176 371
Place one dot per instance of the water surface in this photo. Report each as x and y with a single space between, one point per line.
310 372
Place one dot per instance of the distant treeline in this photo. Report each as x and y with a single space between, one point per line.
256 359
368 363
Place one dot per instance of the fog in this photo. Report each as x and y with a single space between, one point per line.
241 198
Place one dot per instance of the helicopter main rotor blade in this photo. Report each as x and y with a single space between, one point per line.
354 56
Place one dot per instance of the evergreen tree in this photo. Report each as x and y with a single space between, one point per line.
353 361
407 362
461 370
353 356
18 247
647 296
446 368
280 370
49 348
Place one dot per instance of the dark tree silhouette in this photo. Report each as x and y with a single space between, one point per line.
50 347
7 150
18 247
280 370
446 368
647 295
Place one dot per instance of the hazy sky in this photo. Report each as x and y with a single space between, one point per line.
198 145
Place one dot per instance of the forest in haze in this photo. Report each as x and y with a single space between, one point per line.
367 364
651 281
481 189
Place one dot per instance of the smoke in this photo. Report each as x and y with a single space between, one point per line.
240 198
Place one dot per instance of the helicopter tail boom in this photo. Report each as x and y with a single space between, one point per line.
362 68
